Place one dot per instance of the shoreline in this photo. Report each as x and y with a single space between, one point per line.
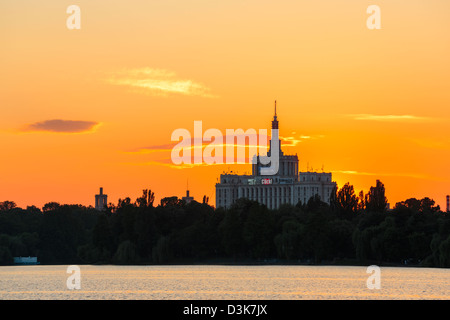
224 262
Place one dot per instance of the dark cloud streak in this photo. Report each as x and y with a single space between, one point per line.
61 126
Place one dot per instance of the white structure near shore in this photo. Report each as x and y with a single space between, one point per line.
25 260
101 200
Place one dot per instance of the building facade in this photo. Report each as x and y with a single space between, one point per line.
287 186
101 200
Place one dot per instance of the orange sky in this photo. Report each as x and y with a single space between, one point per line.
364 104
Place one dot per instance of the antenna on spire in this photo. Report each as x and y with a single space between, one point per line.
275 121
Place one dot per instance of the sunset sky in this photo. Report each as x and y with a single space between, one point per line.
96 107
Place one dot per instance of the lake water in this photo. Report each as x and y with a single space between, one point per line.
222 282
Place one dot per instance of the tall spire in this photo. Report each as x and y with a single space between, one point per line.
275 121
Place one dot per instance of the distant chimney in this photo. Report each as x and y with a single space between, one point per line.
448 203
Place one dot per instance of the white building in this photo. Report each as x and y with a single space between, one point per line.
287 186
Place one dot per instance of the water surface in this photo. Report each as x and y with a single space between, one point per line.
222 282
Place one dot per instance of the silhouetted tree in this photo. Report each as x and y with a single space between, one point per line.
231 228
124 203
146 200
50 206
258 232
361 201
334 205
170 201
33 209
376 200
428 205
314 204
161 253
340 234
7 205
347 201
126 253
289 241
175 232
102 239
444 253
424 205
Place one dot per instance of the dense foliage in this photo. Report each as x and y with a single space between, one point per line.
352 229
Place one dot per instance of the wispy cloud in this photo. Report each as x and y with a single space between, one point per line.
292 141
385 174
61 126
168 163
200 143
353 172
159 82
388 117
154 148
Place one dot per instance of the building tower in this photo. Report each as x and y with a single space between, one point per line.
288 164
287 186
275 120
448 203
187 199
101 200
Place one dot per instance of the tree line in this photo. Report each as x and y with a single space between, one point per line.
351 229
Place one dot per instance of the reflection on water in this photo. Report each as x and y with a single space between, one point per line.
222 282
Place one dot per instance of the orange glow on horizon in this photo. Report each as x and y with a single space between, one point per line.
84 109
